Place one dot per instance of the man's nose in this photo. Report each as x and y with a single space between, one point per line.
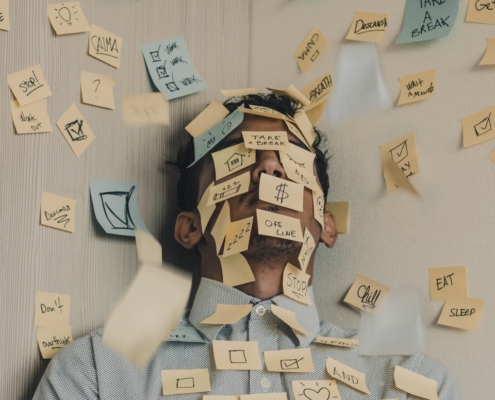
267 163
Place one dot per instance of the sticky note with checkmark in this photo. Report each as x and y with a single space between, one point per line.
478 127
296 360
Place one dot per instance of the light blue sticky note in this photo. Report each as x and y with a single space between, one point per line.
185 334
116 207
171 67
428 19
208 140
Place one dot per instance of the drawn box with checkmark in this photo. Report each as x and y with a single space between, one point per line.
291 363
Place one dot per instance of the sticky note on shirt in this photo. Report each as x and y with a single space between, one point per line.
347 375
366 294
236 270
75 130
417 87
447 281
477 128
208 118
235 355
280 226
289 317
232 159
97 90
181 381
237 236
309 50
296 283
67 18
52 339
28 85
281 192
339 342
266 140
482 12
368 27
105 46
340 212
415 384
52 309
228 314
148 109
32 118
317 390
461 312
58 212
296 360
4 15
228 189
307 249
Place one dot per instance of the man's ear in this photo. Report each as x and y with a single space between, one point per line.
329 232
188 229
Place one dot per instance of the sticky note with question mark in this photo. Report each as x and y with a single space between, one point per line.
97 90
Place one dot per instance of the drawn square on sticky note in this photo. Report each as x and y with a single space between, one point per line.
181 381
57 212
29 85
484 126
75 130
399 152
32 118
97 90
185 383
67 18
105 46
237 356
309 50
281 192
291 363
237 236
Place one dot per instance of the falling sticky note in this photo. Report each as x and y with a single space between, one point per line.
296 132
209 117
52 309
339 342
340 212
138 323
417 87
279 226
75 130
221 225
293 93
67 18
52 338
232 159
32 118
29 85
366 294
205 211
295 360
231 188
239 92
477 127
489 57
415 384
237 236
266 396
368 27
447 281
58 212
309 50
318 92
236 355
171 68
181 381
316 390
236 270
228 314
97 90
319 207
4 15
347 375
482 12
307 250
105 46
146 109
149 249
427 19
461 312
289 317
296 283
281 192
116 206
272 140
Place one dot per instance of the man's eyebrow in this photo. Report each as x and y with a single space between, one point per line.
298 144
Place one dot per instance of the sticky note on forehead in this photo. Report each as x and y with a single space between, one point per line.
232 159
266 140
447 281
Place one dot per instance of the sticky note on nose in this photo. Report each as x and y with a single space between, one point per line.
281 192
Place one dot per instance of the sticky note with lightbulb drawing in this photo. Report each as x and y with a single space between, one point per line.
67 18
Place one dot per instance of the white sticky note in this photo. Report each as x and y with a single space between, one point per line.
148 248
52 338
105 46
52 309
75 130
67 18
29 85
279 226
58 212
97 90
181 381
32 118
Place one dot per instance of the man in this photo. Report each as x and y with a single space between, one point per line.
87 369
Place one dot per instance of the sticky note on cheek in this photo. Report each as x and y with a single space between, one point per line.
182 381
461 312
237 236
231 188
447 281
319 207
281 192
279 226
307 250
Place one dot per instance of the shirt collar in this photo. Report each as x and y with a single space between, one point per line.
210 293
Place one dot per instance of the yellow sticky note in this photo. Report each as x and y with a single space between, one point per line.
296 283
319 207
293 93
32 118
403 153
231 188
491 157
281 192
309 50
52 338
316 390
340 212
52 309
205 210
280 226
366 294
75 130
236 270
304 124
447 281
319 90
67 18
347 375
417 87
339 342
232 159
307 250
482 12
239 92
105 46
261 111
149 249
58 212
368 27
477 127
235 355
221 225
4 15
145 109
266 396
228 314
414 383
181 381
461 312
289 317
300 175
209 117
296 360
300 159
489 57
208 397
97 90
237 236
271 140
29 85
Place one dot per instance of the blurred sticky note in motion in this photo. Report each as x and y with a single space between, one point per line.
139 321
52 338
367 294
29 85
146 109
4 15
52 309
105 46
461 312
67 18
236 355
336 341
418 86
446 281
58 212
171 68
97 90
347 375
32 118
489 57
415 384
148 248
478 127
481 12
316 390
228 314
309 50
340 211
116 206
368 27
181 381
75 130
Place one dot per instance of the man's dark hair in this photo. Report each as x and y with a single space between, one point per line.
188 184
